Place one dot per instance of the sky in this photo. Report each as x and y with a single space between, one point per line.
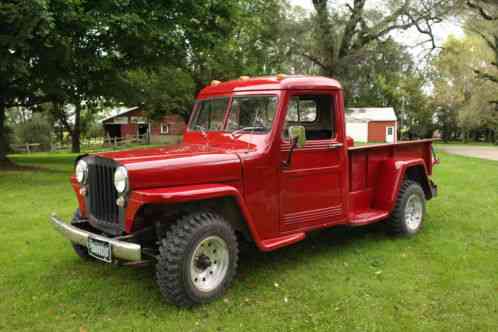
410 37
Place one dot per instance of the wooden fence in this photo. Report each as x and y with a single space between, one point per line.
86 144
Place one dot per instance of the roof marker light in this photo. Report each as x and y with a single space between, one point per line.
281 76
245 78
215 82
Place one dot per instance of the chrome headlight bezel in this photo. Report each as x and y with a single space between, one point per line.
81 171
121 182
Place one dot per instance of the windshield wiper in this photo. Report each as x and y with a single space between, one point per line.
256 129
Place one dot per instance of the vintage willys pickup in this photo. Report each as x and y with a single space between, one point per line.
264 159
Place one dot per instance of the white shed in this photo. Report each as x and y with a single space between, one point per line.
372 124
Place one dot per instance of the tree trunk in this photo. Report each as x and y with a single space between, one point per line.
3 136
76 133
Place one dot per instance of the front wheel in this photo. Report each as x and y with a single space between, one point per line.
408 214
197 259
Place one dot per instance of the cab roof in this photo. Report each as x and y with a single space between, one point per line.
262 83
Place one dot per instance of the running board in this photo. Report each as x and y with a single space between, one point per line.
282 241
365 217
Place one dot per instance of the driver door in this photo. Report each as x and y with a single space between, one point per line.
311 187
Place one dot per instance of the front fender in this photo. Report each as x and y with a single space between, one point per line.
184 194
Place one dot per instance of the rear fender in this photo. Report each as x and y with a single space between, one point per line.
393 173
187 194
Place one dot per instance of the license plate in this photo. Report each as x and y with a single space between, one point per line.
99 249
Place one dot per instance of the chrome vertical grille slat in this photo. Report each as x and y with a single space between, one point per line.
102 195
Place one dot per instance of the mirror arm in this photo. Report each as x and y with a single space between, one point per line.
287 163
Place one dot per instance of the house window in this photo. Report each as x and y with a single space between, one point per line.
165 128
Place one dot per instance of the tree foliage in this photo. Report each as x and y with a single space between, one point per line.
251 43
22 23
73 52
344 33
464 100
37 129
483 21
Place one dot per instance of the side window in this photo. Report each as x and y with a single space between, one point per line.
315 113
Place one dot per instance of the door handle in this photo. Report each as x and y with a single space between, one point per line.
335 145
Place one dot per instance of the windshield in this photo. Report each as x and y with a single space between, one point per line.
252 113
209 115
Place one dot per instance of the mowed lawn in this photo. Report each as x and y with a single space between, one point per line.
444 279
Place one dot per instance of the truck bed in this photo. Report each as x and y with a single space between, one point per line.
374 176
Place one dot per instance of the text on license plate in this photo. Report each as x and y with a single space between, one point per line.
100 249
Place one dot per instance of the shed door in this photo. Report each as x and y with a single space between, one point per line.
390 134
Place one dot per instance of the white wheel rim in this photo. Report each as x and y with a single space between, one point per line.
209 263
414 211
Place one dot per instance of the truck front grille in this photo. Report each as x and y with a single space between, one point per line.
101 192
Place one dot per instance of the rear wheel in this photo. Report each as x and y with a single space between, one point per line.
197 259
408 214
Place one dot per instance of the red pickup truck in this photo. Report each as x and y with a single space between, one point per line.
263 159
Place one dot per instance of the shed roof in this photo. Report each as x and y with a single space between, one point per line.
366 114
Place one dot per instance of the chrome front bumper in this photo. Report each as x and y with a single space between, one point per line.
120 249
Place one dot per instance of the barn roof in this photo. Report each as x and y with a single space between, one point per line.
120 112
367 114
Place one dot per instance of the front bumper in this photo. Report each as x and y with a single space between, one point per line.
120 249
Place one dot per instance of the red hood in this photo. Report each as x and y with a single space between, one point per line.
178 165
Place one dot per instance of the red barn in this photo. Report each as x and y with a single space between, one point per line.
131 123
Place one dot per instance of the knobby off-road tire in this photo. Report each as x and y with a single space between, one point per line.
197 259
79 249
409 211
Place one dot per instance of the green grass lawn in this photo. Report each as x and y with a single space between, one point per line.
444 279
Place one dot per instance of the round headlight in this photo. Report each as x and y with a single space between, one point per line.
121 179
81 171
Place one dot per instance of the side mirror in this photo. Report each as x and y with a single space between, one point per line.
297 136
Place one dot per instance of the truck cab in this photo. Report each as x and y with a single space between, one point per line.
263 159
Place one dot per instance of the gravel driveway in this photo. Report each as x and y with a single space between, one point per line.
483 152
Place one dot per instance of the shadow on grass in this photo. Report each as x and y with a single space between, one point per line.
253 264
37 164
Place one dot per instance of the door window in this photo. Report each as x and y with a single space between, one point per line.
315 113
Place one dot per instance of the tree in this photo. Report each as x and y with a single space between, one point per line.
253 45
74 52
459 95
249 44
36 130
484 22
21 23
93 42
342 35
153 91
